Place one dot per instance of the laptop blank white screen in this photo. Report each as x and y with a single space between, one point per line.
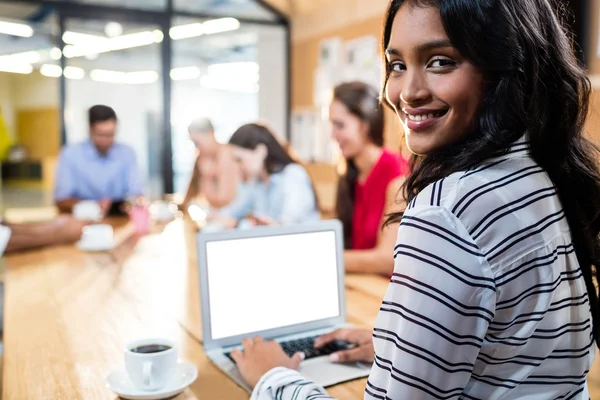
270 282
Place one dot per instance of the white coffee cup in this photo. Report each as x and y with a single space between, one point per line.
162 211
87 210
148 367
97 236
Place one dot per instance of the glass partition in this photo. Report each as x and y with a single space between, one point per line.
122 72
226 60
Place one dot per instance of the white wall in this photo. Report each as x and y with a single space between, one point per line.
272 54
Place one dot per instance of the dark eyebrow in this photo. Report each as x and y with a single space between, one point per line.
436 44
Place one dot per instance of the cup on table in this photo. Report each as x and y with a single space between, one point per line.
162 210
87 210
151 363
97 236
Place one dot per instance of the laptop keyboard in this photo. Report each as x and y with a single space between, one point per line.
307 346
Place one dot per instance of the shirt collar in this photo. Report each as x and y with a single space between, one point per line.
93 151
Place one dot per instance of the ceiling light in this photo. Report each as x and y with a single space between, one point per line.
29 57
81 39
186 31
132 78
86 45
211 82
16 29
206 28
91 56
158 35
245 71
141 77
132 40
55 53
102 75
15 67
220 25
185 73
74 73
113 29
51 70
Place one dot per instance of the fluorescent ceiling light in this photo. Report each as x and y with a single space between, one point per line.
134 40
51 70
16 29
141 77
207 28
81 44
211 82
16 67
113 29
186 31
55 53
243 71
102 75
74 73
29 57
185 73
90 44
132 78
220 25
80 39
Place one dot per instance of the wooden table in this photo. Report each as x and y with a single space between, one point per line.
68 315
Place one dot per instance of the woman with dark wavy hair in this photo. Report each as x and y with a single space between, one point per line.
493 293
367 189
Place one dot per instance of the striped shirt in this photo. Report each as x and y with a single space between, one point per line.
487 300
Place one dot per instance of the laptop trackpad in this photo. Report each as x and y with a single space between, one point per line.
325 373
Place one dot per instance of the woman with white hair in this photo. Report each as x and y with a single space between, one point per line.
215 177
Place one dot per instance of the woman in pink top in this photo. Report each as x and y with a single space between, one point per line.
373 176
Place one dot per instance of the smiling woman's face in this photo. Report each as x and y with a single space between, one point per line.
435 91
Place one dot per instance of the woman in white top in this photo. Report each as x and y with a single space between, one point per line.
277 188
492 295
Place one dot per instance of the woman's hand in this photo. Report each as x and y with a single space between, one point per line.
362 338
259 357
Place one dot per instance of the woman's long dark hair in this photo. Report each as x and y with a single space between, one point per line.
534 84
362 101
249 136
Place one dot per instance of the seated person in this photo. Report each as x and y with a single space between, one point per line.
368 189
215 176
98 169
278 190
18 237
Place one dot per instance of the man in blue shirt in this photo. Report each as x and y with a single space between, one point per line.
98 169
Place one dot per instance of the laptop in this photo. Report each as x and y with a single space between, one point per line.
283 283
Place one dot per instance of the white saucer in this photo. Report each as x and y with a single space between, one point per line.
118 382
94 246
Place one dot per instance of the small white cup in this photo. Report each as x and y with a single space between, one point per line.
97 235
151 371
87 210
162 211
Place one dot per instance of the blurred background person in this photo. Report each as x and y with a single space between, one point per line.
215 178
277 189
367 191
98 169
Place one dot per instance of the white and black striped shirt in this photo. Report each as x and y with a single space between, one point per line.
487 300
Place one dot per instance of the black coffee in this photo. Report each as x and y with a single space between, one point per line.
151 348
